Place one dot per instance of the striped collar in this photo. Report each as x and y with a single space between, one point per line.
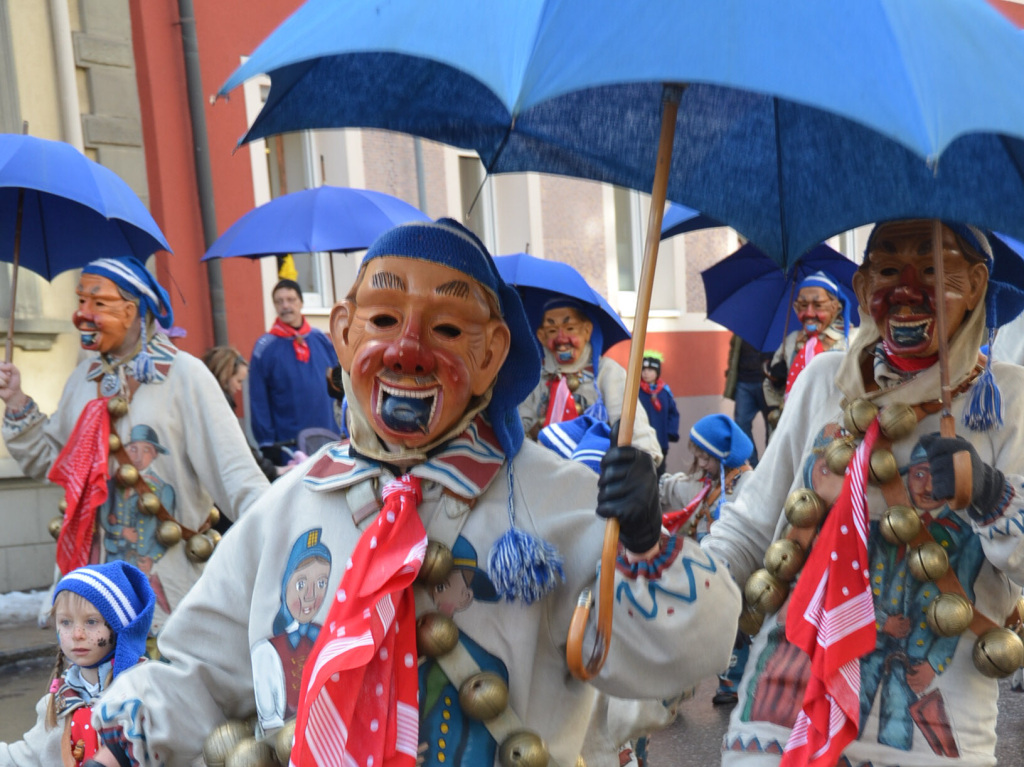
160 349
466 465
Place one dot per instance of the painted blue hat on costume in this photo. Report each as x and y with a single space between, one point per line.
122 595
520 566
307 547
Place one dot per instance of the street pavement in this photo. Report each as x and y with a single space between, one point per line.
694 739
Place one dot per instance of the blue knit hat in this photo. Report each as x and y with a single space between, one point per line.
123 596
449 243
130 275
584 439
520 566
718 435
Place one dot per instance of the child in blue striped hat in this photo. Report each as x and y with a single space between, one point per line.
103 613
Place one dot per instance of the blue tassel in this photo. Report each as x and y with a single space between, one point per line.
522 566
985 404
142 367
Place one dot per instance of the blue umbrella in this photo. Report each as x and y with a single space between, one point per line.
326 218
540 280
679 220
750 295
59 210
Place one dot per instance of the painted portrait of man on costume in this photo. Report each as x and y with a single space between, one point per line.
438 503
936 584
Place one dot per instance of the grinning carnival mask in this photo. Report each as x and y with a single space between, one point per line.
565 330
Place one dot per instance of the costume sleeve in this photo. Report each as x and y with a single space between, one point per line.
677 490
35 440
611 380
39 747
216 446
160 713
261 418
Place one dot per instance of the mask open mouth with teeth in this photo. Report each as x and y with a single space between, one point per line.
910 334
406 411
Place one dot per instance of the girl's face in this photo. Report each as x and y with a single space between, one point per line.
707 464
235 382
85 638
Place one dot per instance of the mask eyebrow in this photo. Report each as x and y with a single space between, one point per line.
387 281
455 288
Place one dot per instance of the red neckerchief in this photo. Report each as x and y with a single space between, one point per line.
658 386
82 470
831 617
298 336
561 405
907 364
802 359
358 701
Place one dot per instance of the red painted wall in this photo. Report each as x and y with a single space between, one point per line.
695 362
226 30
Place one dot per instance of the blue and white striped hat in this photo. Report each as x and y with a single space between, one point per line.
130 275
123 596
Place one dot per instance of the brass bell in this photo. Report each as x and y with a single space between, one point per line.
483 696
250 752
750 621
436 634
63 505
882 466
928 562
764 592
949 615
579 408
858 415
773 417
804 508
900 525
214 516
127 475
523 749
169 532
54 527
113 443
117 407
437 564
149 504
199 548
998 653
213 535
572 381
897 421
783 559
284 739
838 454
221 740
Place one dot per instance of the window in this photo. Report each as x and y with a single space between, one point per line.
477 199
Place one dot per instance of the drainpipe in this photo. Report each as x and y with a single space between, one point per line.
204 177
67 88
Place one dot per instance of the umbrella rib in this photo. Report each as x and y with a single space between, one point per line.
42 232
778 175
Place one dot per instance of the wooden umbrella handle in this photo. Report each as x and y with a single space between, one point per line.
581 668
947 425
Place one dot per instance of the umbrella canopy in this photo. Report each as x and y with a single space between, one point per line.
750 295
73 209
576 88
326 218
679 220
539 280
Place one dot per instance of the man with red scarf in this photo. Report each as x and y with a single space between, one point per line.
288 377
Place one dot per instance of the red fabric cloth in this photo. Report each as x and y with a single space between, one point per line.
802 359
358 702
907 364
83 732
673 520
654 391
832 618
82 470
298 336
561 405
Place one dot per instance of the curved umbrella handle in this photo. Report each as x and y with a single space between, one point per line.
588 669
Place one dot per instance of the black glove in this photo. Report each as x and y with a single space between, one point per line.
987 483
778 373
628 491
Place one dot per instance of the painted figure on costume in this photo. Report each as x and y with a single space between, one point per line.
279 660
447 734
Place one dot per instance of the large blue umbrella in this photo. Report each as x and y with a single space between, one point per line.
750 295
59 210
679 220
539 280
326 218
